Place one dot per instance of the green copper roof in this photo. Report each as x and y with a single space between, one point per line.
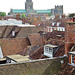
24 11
18 11
43 11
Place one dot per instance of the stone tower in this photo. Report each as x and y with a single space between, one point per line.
28 5
59 10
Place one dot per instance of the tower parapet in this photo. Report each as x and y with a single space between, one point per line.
28 5
59 9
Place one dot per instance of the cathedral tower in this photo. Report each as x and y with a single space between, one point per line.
59 9
28 5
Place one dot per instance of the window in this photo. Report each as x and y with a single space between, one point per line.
50 50
62 29
46 49
72 59
60 16
53 23
59 29
58 23
60 11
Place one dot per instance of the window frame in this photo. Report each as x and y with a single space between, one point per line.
47 50
72 59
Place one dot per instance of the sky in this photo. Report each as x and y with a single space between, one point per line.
69 5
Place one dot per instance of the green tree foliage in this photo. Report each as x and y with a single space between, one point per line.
71 15
8 13
0 18
23 15
3 14
49 14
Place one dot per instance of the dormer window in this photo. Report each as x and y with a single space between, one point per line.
53 23
58 23
60 16
71 58
50 50
38 24
13 33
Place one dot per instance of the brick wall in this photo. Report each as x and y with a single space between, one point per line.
69 36
13 46
70 59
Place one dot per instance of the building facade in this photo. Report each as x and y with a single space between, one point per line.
58 10
29 10
28 5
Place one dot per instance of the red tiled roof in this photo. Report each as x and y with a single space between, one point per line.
22 52
54 34
37 53
35 39
61 21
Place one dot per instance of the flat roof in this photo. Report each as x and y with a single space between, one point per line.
50 45
3 59
18 58
24 25
18 25
73 52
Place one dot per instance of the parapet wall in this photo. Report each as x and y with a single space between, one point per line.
42 67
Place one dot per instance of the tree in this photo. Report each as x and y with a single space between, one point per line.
49 14
23 15
8 13
0 18
71 15
3 14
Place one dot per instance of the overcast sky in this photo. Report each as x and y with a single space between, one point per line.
69 5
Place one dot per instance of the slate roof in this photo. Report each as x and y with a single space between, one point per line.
6 31
25 31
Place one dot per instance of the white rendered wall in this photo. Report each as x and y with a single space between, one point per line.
1 54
